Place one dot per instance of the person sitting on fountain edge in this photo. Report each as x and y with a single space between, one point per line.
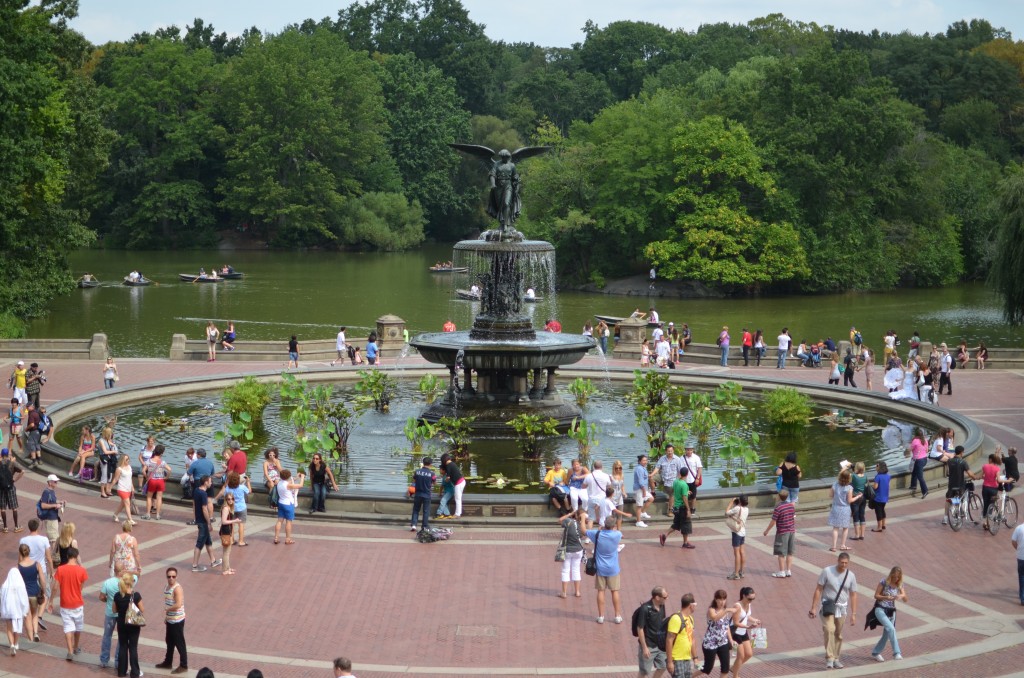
553 325
557 480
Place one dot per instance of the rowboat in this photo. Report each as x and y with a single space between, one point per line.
449 269
189 278
88 284
235 275
142 282
615 320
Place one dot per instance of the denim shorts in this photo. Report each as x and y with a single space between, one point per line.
203 539
286 511
737 540
292 355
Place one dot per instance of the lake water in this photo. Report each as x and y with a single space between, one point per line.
311 293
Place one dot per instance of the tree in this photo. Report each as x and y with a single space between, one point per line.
1009 261
624 53
306 132
730 216
424 115
41 141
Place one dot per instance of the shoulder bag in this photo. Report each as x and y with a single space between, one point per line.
560 551
591 567
133 616
828 605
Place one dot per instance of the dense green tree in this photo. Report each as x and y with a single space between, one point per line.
381 221
424 115
624 53
306 131
730 217
157 192
1009 260
42 140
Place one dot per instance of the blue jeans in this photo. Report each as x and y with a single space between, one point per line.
108 631
421 504
725 355
442 508
888 633
108 383
604 345
1020 579
917 475
781 364
319 497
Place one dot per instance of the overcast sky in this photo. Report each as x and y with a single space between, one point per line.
555 23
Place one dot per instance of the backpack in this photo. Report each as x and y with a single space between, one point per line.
660 637
857 339
6 477
433 534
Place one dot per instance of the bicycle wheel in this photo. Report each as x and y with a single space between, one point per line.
955 516
974 507
1010 513
993 519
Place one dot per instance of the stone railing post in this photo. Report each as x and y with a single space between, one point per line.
178 346
98 349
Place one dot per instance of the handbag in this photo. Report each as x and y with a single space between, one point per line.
734 523
760 637
828 605
560 551
134 616
591 567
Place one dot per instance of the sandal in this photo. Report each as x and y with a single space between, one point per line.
289 542
833 549
562 595
875 530
18 529
275 541
4 529
845 548
244 543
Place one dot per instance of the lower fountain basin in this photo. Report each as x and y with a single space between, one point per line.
548 350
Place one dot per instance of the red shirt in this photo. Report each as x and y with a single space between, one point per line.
991 475
449 326
71 577
553 326
238 462
747 339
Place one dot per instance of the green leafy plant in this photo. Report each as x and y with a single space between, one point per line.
247 396
703 419
431 387
531 431
657 405
582 390
418 432
585 434
728 394
742 449
377 387
456 432
240 429
321 423
787 408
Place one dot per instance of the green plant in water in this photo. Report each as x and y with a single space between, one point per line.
456 432
418 432
728 394
248 396
430 387
585 434
240 429
531 430
703 419
657 405
321 423
377 387
582 390
788 409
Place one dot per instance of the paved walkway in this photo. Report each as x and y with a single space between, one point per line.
484 603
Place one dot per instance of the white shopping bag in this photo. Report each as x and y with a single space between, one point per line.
760 636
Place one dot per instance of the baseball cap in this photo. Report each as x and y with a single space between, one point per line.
21 363
52 479
4 452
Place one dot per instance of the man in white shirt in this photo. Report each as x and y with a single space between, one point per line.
945 366
785 341
340 346
596 484
667 469
663 350
839 585
694 470
657 334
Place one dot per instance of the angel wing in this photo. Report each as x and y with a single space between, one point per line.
528 152
481 152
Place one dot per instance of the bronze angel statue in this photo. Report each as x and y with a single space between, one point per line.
504 202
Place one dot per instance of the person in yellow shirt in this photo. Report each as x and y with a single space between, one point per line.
679 642
557 478
18 380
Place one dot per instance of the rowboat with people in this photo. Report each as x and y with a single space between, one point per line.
204 278
449 269
139 282
613 320
88 281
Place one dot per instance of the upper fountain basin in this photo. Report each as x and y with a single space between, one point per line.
546 350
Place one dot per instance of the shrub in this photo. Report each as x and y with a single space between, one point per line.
11 326
787 408
431 387
582 389
531 430
248 396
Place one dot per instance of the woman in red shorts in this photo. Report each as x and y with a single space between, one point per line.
156 473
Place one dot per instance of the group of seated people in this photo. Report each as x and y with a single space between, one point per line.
810 355
135 277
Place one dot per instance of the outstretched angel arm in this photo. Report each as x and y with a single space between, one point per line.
528 152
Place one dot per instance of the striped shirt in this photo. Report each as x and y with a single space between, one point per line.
784 516
172 616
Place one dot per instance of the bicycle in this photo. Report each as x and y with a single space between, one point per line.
1004 510
966 503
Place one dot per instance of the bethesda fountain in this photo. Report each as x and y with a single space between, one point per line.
503 367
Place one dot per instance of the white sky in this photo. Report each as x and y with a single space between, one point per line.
555 23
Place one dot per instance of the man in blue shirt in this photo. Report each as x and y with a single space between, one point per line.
423 481
606 551
108 589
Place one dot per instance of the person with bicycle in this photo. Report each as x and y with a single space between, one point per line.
959 472
1010 468
992 482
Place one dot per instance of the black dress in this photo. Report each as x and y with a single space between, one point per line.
128 647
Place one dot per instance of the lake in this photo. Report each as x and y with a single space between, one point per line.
310 294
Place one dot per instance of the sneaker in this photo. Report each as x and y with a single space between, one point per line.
600 620
693 514
587 540
645 516
621 546
412 528
641 523
216 563
70 657
829 664
837 664
191 522
878 657
779 575
661 538
897 657
789 573
734 576
945 521
41 624
164 665
78 650
199 568
618 620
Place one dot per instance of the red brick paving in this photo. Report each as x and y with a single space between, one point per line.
396 606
